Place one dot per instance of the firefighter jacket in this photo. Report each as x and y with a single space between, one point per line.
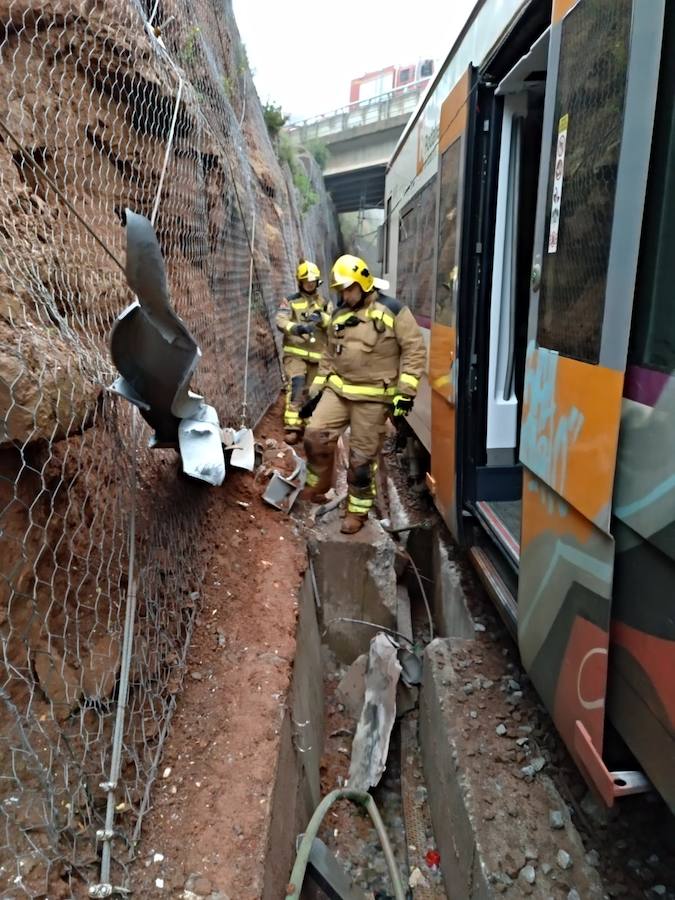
304 309
374 352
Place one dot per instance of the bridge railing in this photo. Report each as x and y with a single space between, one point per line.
400 101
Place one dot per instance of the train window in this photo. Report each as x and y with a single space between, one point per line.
426 69
589 108
414 275
653 335
446 284
406 256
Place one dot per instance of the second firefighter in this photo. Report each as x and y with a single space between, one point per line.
303 317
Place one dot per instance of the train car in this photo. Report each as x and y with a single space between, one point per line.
415 73
373 84
530 206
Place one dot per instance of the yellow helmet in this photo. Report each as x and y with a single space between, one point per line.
349 269
307 271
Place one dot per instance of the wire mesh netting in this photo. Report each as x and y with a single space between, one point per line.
90 90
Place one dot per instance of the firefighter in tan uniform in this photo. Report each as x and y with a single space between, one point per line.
303 318
371 369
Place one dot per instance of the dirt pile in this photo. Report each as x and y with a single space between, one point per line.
212 804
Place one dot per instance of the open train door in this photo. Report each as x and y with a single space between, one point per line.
598 119
455 139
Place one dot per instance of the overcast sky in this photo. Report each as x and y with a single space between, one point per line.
304 53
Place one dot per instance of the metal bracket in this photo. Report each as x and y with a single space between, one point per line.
610 785
282 492
106 890
100 890
296 736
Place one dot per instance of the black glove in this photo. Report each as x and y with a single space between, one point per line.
299 330
309 407
315 318
402 405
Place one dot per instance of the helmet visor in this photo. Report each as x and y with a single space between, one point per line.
339 282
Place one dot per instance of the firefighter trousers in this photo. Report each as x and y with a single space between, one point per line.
368 421
299 374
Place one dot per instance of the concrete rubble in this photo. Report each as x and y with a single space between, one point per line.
490 849
371 742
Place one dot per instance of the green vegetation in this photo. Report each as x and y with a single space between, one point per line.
228 87
288 153
307 193
286 150
275 119
319 151
189 52
243 65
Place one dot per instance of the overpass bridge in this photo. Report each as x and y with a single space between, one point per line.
360 139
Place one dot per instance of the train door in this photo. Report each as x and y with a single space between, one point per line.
456 125
493 473
602 77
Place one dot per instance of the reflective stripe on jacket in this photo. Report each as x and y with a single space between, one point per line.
374 352
298 309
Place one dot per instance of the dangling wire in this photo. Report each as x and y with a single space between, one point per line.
244 405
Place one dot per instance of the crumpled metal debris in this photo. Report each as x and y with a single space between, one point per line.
157 356
282 491
242 446
371 741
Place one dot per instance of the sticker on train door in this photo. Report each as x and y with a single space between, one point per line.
556 198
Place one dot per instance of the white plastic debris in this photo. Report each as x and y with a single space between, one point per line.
417 879
371 741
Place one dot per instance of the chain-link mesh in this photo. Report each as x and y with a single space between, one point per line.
88 96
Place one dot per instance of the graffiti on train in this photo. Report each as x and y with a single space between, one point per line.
547 433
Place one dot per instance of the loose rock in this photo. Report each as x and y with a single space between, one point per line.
556 819
563 859
201 886
528 874
417 879
513 862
